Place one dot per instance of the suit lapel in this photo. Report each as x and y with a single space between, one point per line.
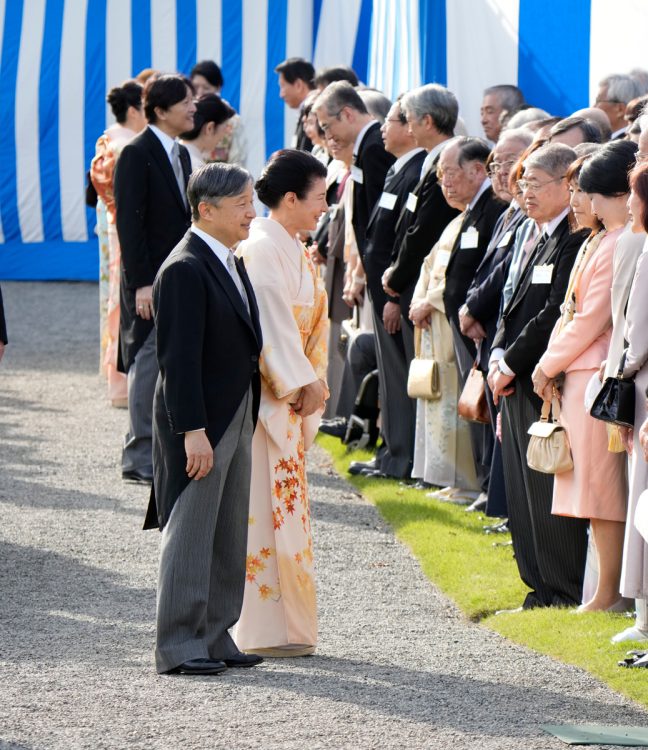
163 161
224 279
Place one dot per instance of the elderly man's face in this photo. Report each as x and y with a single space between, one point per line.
505 154
341 128
614 109
459 182
490 112
544 195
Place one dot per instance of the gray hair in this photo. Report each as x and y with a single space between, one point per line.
338 95
640 77
553 158
377 104
215 181
510 97
525 116
643 122
521 135
620 88
436 101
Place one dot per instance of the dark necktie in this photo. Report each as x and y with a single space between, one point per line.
177 171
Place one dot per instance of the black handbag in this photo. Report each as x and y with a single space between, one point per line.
615 401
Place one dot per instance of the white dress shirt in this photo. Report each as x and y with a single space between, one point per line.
166 140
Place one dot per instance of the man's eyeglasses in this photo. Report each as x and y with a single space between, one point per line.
325 125
607 101
535 186
495 166
641 158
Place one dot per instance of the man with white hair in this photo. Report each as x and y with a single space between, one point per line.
613 95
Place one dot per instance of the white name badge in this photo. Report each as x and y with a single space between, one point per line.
469 239
387 201
505 239
443 257
293 141
356 174
542 274
412 201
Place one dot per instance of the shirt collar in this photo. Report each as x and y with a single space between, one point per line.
550 226
432 155
166 140
219 250
361 135
402 160
619 132
482 189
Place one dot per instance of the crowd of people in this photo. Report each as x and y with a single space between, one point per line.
445 297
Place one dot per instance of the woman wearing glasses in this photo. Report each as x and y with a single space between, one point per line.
595 488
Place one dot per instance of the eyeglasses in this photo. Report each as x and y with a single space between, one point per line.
640 158
607 101
325 125
535 186
495 166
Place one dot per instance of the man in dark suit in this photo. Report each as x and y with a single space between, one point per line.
206 404
295 83
431 113
3 328
462 165
345 119
549 550
152 215
398 410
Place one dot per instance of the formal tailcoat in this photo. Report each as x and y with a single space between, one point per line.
151 219
368 173
208 349
419 228
3 324
528 320
381 228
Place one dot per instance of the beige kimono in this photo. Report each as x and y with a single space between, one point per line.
279 606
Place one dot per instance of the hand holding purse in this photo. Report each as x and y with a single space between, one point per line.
615 402
472 404
549 450
423 380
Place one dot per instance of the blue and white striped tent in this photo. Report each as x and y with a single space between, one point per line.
59 57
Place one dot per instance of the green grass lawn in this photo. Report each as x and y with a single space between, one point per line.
479 573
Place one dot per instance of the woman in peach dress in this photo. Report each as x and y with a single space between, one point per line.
279 616
596 487
126 104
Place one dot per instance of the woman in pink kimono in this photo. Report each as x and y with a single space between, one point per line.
596 487
126 105
279 616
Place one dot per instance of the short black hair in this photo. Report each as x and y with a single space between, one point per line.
210 71
209 108
122 97
590 129
296 68
606 171
288 171
164 92
340 73
471 148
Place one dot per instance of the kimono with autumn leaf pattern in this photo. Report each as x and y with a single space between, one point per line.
279 606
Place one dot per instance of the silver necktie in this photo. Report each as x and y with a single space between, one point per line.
231 267
177 170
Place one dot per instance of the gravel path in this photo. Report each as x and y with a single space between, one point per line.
397 665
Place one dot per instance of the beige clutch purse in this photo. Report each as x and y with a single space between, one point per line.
549 450
424 379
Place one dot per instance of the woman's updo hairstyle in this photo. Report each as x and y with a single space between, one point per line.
209 108
288 171
606 171
122 97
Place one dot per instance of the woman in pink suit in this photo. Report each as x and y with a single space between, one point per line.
595 488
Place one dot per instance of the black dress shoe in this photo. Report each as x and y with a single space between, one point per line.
137 476
373 474
334 427
243 660
357 467
200 667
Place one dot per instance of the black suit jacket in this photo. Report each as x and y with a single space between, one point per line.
463 262
373 161
3 323
208 349
485 293
381 229
416 234
302 141
151 220
526 323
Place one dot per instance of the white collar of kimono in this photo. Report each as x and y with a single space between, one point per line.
292 258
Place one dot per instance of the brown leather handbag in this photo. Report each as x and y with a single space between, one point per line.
472 404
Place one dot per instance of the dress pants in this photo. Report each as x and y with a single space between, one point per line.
360 361
496 502
550 550
481 435
203 553
334 371
397 409
142 375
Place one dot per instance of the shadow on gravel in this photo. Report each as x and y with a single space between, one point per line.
57 609
464 703
19 492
